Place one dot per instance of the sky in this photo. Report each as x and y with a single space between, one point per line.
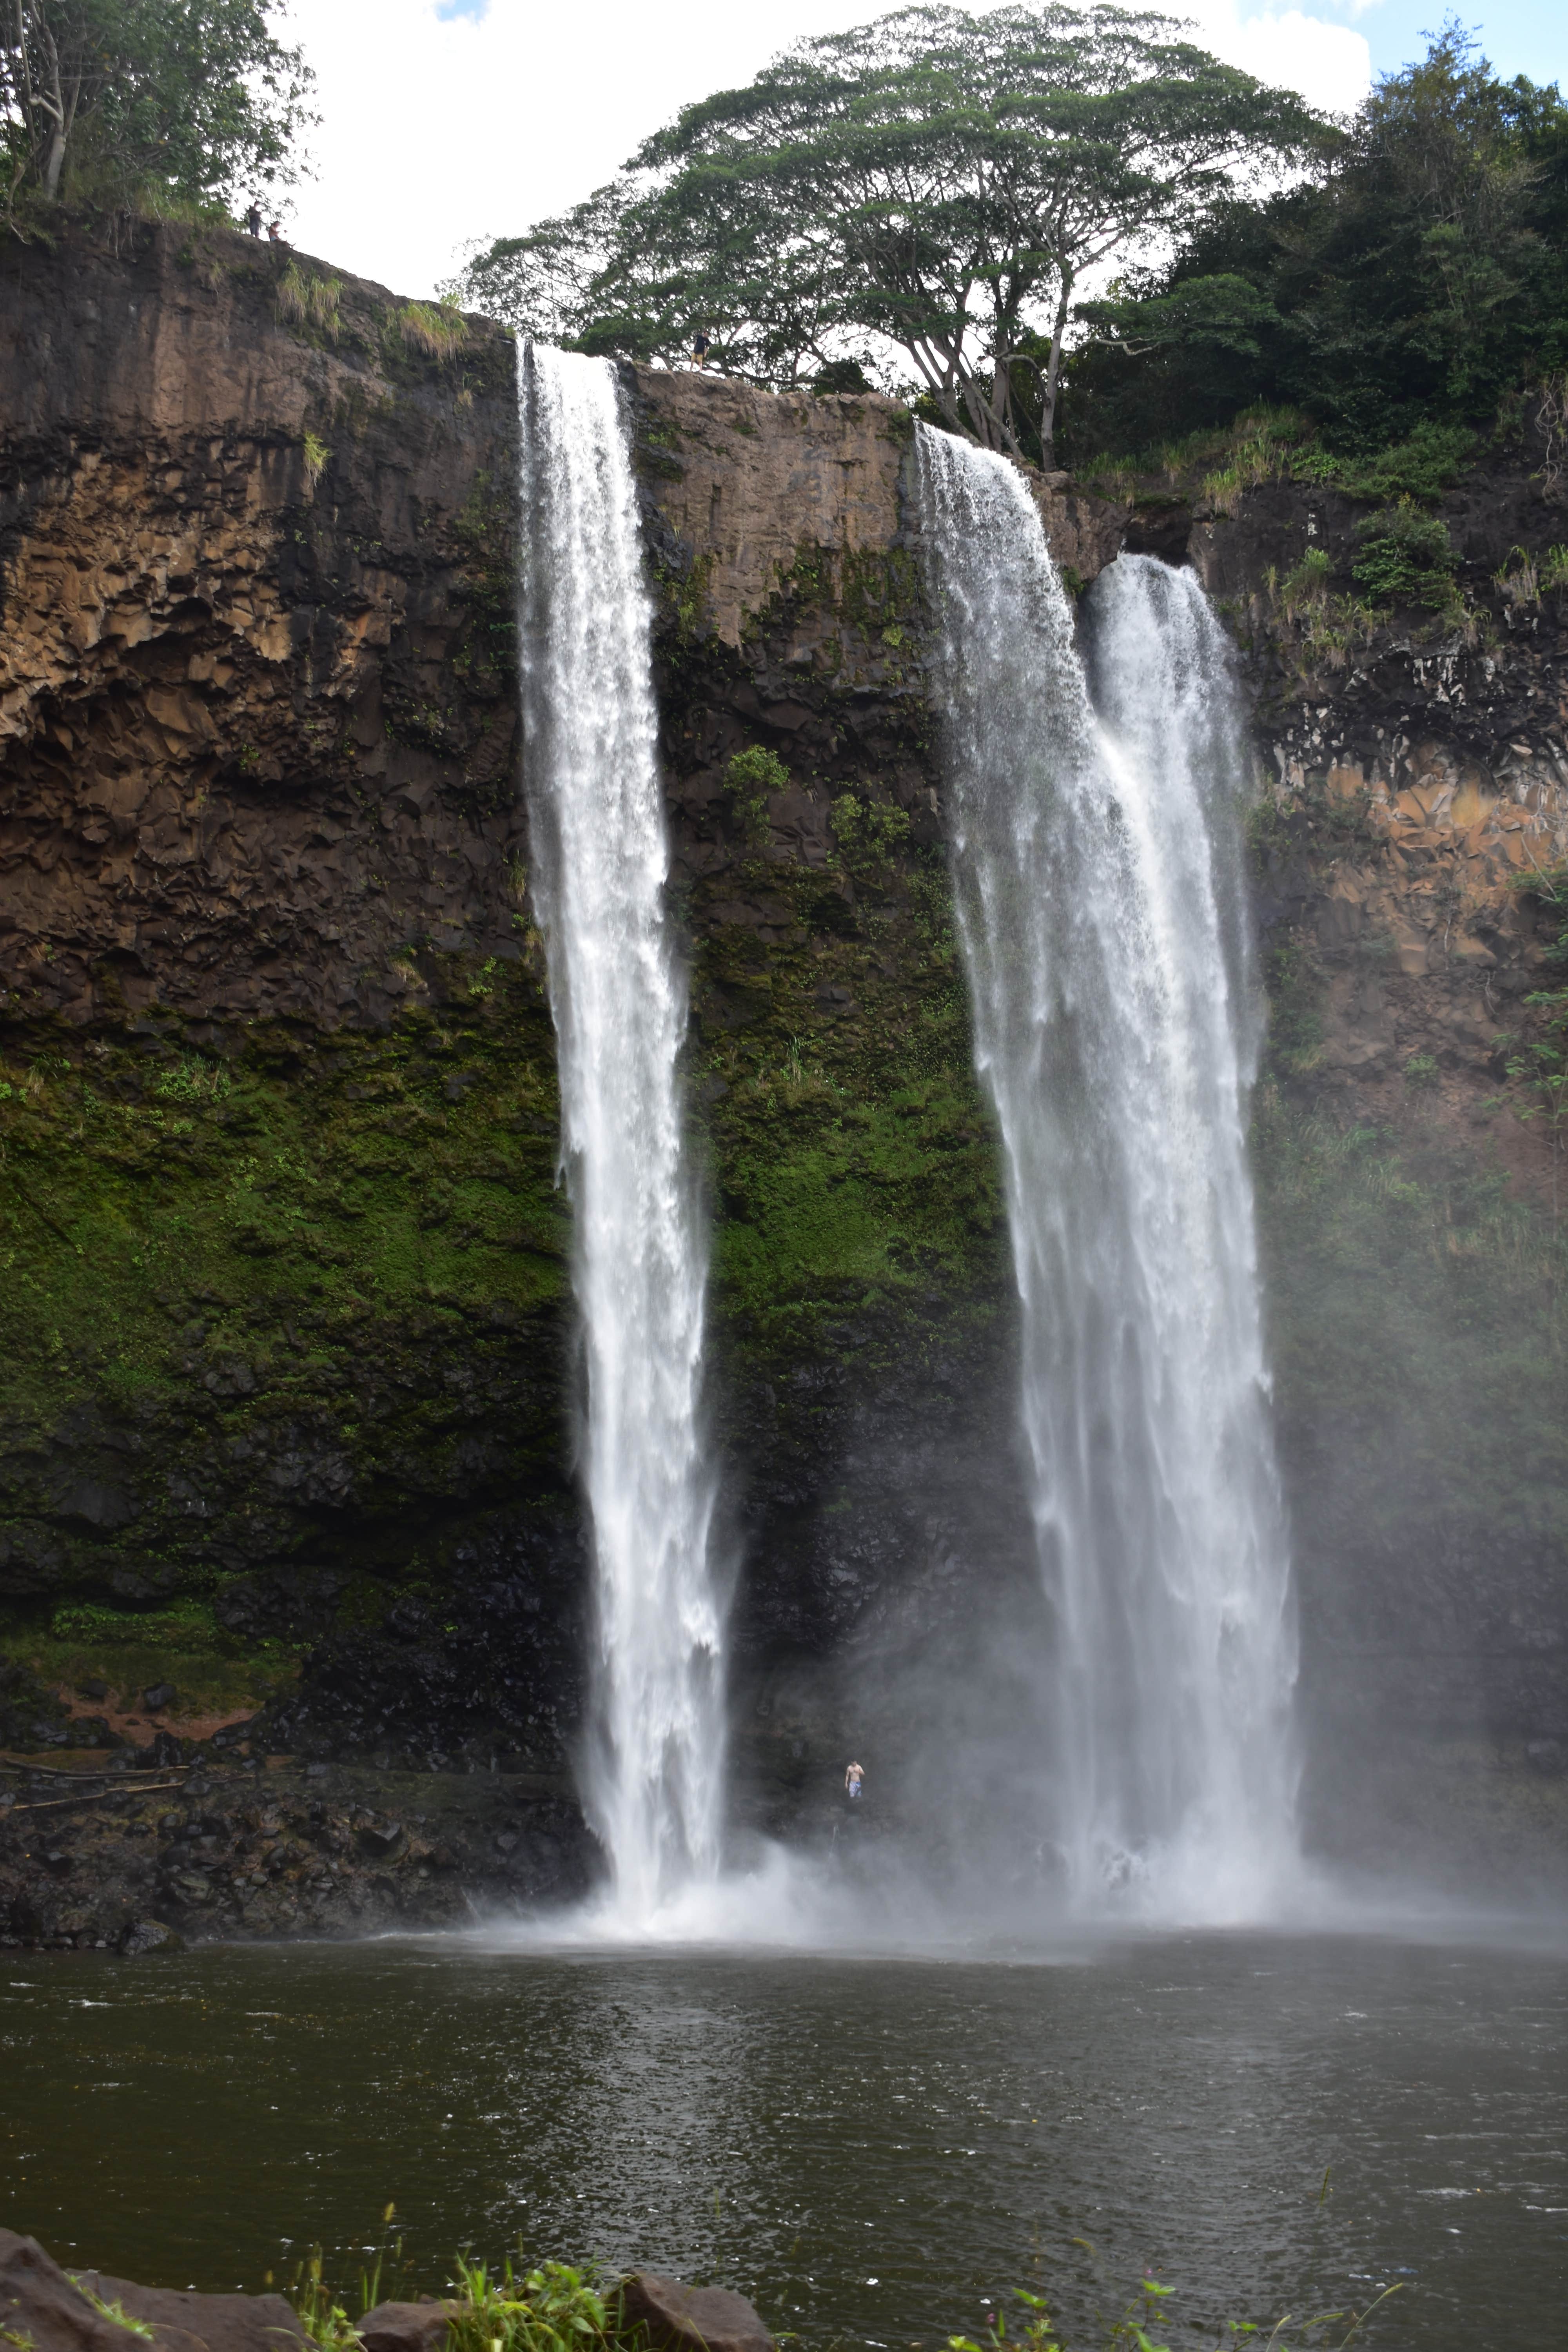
444 122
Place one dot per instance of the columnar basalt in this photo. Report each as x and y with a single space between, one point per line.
256 698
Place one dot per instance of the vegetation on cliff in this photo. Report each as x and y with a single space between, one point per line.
1412 285
300 1296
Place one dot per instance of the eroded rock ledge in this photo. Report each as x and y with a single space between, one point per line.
256 700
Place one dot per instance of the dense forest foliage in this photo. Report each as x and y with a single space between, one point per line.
1415 285
177 108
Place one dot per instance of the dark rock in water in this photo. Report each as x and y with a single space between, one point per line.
147 1935
704 2318
404 2327
222 2323
160 1694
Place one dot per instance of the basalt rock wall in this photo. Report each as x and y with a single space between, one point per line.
1409 845
293 1384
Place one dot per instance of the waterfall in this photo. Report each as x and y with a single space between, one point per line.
617 991
1095 853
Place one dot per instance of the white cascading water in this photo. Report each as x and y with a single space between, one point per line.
617 991
1097 869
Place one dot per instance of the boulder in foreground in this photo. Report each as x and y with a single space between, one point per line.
43 2308
405 2327
223 2323
693 2318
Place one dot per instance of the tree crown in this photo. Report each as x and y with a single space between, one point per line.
924 191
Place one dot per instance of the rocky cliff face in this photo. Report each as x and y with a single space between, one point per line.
285 1275
287 1311
257 590
1409 1153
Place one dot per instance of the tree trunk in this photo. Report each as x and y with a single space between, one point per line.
52 101
53 162
1053 379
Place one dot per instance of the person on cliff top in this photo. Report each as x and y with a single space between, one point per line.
275 232
701 344
852 1781
253 219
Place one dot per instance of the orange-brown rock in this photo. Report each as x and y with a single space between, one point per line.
750 481
258 728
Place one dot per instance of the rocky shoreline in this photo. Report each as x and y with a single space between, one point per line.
131 1853
49 2309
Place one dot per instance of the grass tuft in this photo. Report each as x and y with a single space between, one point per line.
437 329
304 300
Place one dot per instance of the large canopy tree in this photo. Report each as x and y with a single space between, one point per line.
934 186
127 101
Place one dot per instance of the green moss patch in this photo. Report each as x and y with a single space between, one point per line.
260 1289
852 1157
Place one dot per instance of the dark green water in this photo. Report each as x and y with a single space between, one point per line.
866 2146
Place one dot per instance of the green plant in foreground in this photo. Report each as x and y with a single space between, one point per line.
114 2312
551 2308
325 2322
1144 2311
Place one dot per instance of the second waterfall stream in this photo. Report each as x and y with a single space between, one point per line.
617 991
1095 837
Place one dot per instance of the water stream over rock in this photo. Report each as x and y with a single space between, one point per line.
619 994
1094 824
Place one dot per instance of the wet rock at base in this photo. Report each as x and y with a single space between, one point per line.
695 2319
50 2310
144 1936
380 1840
404 2327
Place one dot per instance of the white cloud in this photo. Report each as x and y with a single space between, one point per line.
441 125
1329 64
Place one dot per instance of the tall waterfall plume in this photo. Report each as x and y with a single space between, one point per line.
617 991
1097 869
